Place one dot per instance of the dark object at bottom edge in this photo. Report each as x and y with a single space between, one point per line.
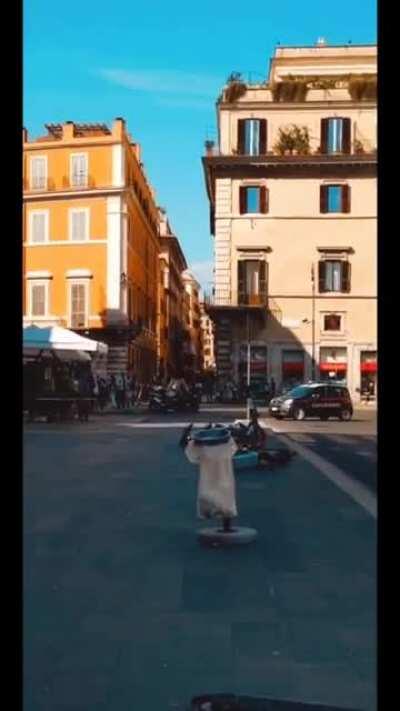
231 702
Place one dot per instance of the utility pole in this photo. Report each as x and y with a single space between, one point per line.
313 323
248 402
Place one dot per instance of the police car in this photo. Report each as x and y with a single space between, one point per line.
321 400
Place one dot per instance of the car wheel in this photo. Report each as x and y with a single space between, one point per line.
324 418
299 414
278 417
346 415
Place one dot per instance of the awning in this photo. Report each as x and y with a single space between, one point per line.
56 338
334 367
369 367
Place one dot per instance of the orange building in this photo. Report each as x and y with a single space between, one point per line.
91 245
174 333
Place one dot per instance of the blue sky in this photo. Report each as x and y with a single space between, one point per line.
161 66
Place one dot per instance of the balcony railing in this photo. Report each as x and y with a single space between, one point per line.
222 297
213 151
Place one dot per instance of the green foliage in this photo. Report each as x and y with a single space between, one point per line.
293 138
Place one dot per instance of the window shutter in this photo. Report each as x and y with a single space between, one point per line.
346 271
346 135
323 198
38 228
38 300
38 172
78 229
241 278
262 275
242 199
264 199
321 276
241 136
346 198
263 136
324 135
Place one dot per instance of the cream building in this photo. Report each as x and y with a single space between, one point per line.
207 339
292 191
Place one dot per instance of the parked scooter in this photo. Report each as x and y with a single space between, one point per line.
170 400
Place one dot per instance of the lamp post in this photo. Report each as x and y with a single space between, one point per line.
248 401
313 323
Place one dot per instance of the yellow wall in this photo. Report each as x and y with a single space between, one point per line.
58 164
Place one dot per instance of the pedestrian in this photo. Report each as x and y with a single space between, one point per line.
113 391
120 391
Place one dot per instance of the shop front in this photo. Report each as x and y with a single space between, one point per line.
292 368
258 364
368 374
333 365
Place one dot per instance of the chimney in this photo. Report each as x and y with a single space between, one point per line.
24 135
68 131
118 128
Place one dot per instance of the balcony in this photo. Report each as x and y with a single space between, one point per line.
214 156
239 301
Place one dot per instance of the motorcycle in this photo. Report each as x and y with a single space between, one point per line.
171 400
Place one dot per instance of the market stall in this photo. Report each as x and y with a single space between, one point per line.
58 378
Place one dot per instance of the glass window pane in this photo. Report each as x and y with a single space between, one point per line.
337 276
253 199
252 137
334 198
335 135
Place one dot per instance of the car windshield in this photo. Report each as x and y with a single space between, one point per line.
299 391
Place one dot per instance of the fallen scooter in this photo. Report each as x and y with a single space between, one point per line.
248 455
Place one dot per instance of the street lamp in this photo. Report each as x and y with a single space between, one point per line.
313 323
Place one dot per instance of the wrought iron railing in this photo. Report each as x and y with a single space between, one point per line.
228 297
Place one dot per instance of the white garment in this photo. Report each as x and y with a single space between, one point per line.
216 487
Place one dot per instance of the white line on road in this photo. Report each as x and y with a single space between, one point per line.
357 491
164 425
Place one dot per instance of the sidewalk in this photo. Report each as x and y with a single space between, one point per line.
124 611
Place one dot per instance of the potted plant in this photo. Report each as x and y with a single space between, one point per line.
209 146
290 89
293 139
358 146
362 87
236 87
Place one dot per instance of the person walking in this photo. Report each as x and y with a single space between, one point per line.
272 387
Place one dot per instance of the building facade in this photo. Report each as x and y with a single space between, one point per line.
90 242
207 340
292 191
192 346
174 332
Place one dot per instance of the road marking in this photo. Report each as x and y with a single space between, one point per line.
357 491
364 453
165 425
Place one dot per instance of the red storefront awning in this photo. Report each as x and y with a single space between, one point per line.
369 367
334 367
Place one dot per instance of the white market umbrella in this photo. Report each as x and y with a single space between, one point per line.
56 338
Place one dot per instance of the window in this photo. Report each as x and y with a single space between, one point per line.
38 298
253 199
38 226
79 225
79 169
39 173
78 305
252 281
332 322
252 137
334 275
335 135
334 198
